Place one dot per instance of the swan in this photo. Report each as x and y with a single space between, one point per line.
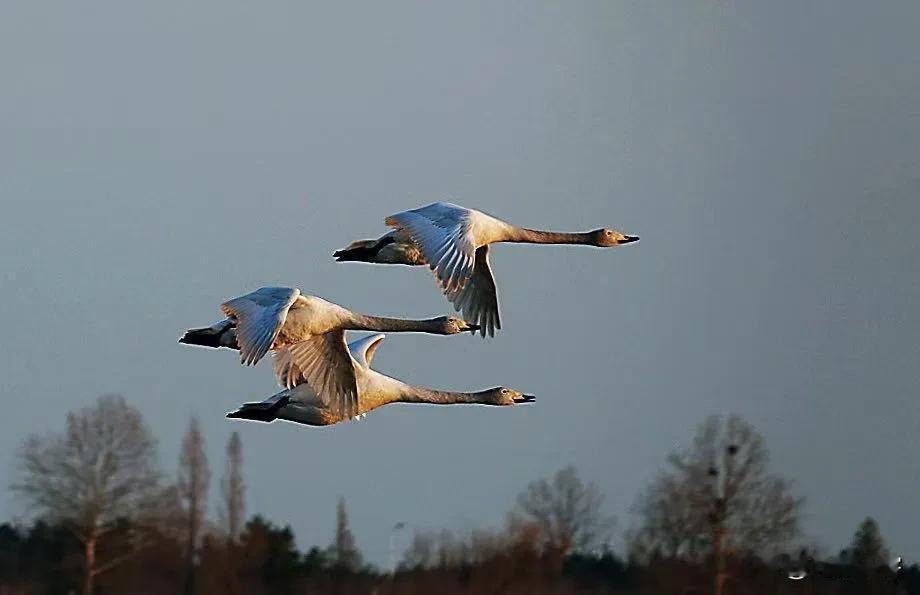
454 242
307 337
301 405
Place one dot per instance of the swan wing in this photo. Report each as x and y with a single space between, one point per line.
259 316
442 232
478 300
363 350
322 362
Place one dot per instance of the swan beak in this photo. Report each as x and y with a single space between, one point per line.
629 240
525 399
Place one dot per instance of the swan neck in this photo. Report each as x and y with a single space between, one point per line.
362 322
418 394
534 236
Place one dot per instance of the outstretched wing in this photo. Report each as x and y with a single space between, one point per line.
478 301
259 316
323 362
442 232
363 350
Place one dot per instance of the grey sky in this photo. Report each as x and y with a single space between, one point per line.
157 158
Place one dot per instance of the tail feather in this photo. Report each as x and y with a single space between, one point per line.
222 334
264 411
362 250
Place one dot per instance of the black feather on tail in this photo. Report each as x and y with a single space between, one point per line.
264 412
363 250
206 337
222 334
353 254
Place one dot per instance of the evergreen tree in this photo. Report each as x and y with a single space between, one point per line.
344 549
867 550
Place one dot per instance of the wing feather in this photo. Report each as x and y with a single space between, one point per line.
442 232
363 350
478 300
259 317
323 362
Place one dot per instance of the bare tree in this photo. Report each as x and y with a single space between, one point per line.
566 511
101 470
193 481
445 550
232 487
345 550
420 553
716 497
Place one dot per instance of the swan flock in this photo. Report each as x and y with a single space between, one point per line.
327 380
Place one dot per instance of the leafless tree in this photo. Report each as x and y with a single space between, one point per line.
566 511
101 470
716 497
193 481
445 550
232 487
421 551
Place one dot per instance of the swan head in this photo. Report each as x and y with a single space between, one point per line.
504 396
451 325
606 238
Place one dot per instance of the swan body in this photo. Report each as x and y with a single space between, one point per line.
307 337
301 405
454 242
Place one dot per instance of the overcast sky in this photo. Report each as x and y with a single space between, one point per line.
159 158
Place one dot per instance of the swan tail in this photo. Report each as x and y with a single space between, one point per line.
264 411
362 250
222 334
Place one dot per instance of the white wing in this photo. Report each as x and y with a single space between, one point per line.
363 350
442 232
323 362
259 316
478 301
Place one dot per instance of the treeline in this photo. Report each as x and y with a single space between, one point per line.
715 520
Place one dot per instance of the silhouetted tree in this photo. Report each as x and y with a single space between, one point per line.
344 549
604 568
45 555
194 479
867 550
232 488
566 511
716 497
268 554
316 560
101 469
